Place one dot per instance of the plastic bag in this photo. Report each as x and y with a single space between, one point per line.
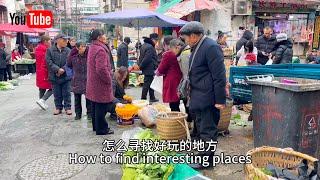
130 134
148 116
269 62
157 84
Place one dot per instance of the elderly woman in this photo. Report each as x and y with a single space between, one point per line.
99 82
77 61
170 69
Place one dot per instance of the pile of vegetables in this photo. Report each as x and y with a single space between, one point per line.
25 61
146 171
161 108
5 86
237 120
133 79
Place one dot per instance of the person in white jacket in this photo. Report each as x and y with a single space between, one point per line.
246 49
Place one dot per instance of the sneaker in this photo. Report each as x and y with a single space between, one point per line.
57 112
78 117
154 100
42 104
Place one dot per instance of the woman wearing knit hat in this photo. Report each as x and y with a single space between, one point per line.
284 50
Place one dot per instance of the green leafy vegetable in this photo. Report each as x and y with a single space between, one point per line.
266 171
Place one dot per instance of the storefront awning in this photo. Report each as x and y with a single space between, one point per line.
187 7
164 7
2 3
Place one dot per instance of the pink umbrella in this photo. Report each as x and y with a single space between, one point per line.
186 7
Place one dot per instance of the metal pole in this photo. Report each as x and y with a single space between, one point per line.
138 30
77 19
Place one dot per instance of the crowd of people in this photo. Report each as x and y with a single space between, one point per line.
192 67
267 49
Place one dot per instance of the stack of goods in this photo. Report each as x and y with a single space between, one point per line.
126 114
149 113
134 68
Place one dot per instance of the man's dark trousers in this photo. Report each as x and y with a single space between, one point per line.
62 94
146 87
207 121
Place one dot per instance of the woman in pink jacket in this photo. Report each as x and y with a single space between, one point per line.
99 82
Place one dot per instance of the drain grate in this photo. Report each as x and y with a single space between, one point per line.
50 167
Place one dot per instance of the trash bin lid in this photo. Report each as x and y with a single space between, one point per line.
287 83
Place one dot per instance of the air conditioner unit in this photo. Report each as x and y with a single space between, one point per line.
242 7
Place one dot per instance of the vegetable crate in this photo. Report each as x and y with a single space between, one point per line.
281 158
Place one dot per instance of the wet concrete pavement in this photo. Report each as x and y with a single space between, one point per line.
28 133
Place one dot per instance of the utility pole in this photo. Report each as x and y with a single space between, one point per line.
65 15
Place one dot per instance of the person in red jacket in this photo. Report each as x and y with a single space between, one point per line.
42 80
170 69
15 55
99 82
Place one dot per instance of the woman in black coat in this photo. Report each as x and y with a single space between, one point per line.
284 50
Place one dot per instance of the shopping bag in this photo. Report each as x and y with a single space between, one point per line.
157 84
269 62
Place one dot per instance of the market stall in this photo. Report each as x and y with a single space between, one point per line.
25 66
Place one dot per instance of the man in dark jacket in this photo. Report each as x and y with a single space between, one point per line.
266 46
148 64
207 82
56 58
3 61
284 50
122 53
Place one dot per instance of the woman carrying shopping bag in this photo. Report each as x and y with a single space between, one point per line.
170 69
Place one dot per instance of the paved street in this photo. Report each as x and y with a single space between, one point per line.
28 133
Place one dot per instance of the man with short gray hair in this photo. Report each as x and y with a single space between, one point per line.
207 77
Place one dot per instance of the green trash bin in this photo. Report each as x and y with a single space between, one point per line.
286 113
